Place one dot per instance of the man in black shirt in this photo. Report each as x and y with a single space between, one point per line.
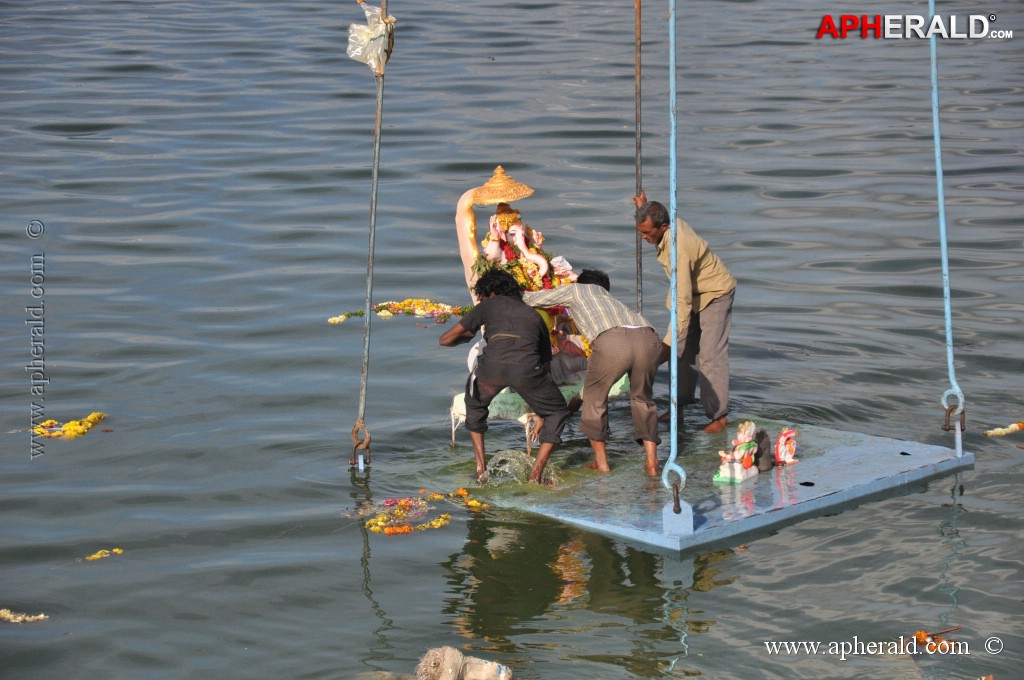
517 354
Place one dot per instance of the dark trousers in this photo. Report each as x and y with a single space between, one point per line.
533 383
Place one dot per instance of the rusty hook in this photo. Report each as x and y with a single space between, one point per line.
675 498
360 440
963 419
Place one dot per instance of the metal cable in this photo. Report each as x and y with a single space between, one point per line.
360 426
954 389
639 170
670 464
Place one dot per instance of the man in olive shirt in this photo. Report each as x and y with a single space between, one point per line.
705 290
621 342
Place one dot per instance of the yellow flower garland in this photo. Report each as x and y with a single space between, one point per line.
100 554
396 515
419 307
17 617
70 429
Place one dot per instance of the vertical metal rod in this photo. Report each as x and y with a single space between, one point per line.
639 170
360 426
369 259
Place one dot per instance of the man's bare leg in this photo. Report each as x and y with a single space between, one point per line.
600 457
651 459
538 464
478 452
717 425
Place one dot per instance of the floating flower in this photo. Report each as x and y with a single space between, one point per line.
397 516
418 307
1003 431
17 617
100 554
933 642
70 429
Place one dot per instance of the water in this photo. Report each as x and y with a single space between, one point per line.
202 172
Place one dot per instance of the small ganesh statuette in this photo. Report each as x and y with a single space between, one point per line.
785 447
738 463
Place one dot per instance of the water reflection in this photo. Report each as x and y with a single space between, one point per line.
514 580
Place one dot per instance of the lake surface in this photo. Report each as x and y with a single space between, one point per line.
200 177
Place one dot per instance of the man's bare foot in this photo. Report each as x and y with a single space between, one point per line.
599 468
652 471
716 425
480 476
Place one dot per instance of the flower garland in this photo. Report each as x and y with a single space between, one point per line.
420 307
933 642
398 515
525 272
70 429
528 277
18 617
1003 431
100 554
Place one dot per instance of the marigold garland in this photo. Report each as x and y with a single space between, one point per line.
400 515
1003 431
100 554
70 429
933 642
419 307
17 617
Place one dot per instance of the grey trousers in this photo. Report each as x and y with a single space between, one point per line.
615 353
705 358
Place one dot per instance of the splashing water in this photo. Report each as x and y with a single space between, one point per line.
515 466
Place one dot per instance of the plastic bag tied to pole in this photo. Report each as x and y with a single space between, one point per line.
371 44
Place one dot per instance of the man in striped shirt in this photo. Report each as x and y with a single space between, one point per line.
622 342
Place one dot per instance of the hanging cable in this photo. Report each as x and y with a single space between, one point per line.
639 171
954 389
670 464
371 45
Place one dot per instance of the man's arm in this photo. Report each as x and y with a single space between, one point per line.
456 335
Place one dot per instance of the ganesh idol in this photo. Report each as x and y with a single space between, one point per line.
508 243
514 246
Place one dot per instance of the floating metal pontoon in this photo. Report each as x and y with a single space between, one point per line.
836 470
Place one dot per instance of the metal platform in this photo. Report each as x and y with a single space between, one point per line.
835 469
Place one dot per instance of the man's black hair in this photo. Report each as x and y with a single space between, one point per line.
595 276
499 282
